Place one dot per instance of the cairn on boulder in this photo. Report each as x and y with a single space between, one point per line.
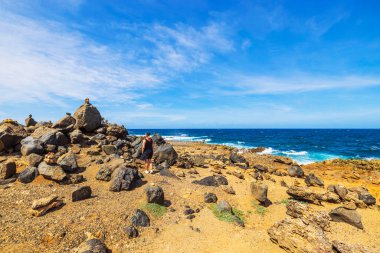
65 124
87 117
29 121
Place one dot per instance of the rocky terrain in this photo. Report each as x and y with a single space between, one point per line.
77 185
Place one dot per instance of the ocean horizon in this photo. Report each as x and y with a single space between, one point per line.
304 145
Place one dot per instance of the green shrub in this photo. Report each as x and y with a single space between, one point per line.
226 216
154 209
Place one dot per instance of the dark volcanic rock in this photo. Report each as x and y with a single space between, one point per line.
109 149
28 175
259 191
155 194
123 178
93 246
132 232
158 139
29 145
295 171
68 162
313 180
235 158
104 173
165 152
81 193
87 118
140 219
211 198
7 169
212 181
342 214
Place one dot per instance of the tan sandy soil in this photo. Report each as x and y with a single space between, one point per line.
108 213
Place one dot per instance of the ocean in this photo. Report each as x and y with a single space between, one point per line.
303 145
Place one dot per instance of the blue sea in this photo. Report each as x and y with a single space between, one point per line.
302 145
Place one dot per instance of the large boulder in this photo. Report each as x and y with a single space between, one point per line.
304 194
88 118
124 178
155 194
7 169
165 152
68 162
66 123
344 214
158 139
295 171
11 133
215 180
28 175
259 191
296 236
55 138
31 146
364 195
235 158
117 131
304 212
53 172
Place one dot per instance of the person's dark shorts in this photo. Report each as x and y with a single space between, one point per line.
148 154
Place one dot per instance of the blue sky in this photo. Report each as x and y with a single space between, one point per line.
194 64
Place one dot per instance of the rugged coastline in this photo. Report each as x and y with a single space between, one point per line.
77 185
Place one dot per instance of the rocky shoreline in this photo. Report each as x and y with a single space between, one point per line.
76 186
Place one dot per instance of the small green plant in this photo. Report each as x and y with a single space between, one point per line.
154 209
284 201
260 210
226 216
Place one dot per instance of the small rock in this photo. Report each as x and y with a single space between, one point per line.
295 171
211 198
228 189
224 206
132 232
34 160
259 191
155 194
140 219
28 175
109 149
68 162
349 216
81 193
188 211
313 180
7 169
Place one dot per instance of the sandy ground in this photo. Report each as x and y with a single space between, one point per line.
106 214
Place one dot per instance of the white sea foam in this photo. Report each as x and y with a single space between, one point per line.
293 152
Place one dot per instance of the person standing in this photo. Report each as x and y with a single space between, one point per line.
147 152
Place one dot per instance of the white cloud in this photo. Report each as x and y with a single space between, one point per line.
252 84
41 60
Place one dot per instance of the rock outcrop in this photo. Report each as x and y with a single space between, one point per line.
87 118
